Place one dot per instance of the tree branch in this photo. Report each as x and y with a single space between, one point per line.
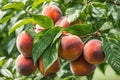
94 34
111 1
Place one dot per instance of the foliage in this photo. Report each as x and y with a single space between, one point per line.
99 16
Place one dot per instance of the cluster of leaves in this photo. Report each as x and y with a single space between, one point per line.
97 15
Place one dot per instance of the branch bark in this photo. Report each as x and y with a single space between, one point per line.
113 2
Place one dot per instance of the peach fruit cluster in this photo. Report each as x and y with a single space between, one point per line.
83 57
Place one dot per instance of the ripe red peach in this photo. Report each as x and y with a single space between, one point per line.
62 22
24 44
81 67
24 65
71 47
93 52
54 68
38 28
53 12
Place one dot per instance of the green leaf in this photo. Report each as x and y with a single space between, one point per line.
90 77
115 18
98 4
19 24
14 5
2 60
71 1
8 63
98 12
6 73
115 31
102 67
50 55
80 29
6 18
43 42
11 45
36 37
73 13
38 2
44 21
106 26
111 47
67 1
57 37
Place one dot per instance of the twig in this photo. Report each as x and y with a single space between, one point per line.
94 34
111 1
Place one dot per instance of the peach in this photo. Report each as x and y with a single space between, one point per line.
53 12
81 67
71 47
24 65
38 28
24 44
54 68
62 22
93 52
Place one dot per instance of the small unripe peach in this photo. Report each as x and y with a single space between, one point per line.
52 11
54 68
24 44
71 47
62 22
38 28
81 67
24 65
93 52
